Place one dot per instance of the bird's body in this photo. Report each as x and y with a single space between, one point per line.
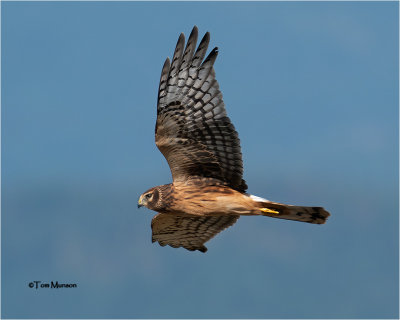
187 198
202 148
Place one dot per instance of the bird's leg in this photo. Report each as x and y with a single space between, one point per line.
266 210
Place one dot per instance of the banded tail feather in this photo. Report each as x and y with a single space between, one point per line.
316 215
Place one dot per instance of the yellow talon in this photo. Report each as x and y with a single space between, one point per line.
269 210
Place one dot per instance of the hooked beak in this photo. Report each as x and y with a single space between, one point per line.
140 202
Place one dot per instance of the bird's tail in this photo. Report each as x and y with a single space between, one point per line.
317 215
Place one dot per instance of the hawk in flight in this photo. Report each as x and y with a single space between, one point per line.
202 147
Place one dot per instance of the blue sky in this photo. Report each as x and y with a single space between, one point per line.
312 89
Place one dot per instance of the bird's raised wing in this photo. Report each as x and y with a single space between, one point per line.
189 232
193 131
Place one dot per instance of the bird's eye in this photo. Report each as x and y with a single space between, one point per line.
148 196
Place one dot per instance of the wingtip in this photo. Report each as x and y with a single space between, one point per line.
165 68
206 39
193 34
212 56
167 62
203 249
181 39
179 44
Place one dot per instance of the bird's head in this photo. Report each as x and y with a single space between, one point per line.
150 199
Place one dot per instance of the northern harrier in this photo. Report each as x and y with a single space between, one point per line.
202 147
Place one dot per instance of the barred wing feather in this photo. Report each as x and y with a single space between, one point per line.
193 131
189 232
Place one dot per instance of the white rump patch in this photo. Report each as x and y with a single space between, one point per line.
258 199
